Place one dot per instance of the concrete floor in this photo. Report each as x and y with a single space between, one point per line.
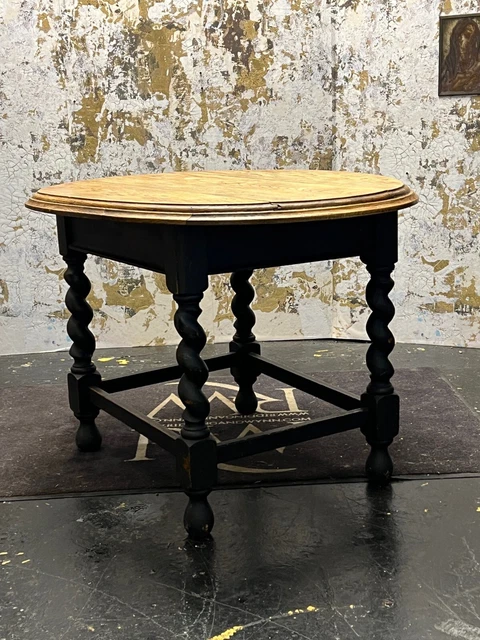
460 366
328 561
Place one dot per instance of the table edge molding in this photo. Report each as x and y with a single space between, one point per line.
261 213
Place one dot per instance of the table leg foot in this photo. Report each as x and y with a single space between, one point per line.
88 436
379 465
198 519
246 401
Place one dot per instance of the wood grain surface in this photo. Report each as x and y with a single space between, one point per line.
226 197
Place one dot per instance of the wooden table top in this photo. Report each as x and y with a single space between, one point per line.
226 197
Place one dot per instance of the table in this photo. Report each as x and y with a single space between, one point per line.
188 225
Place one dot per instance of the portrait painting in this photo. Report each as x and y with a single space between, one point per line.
459 69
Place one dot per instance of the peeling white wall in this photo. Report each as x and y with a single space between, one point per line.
389 119
94 88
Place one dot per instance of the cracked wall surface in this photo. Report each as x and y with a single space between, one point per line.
389 119
97 87
102 87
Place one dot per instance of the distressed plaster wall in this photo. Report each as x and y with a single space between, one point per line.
388 118
98 87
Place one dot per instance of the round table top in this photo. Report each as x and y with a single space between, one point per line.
226 197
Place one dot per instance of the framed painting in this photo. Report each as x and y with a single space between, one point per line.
459 67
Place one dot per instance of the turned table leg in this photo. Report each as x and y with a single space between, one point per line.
380 398
197 464
83 372
243 342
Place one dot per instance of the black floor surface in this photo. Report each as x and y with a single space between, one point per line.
460 367
326 562
329 562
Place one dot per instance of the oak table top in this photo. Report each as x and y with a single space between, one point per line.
226 197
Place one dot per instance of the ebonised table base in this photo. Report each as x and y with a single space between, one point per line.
187 255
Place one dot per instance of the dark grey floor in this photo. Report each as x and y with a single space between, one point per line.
329 562
460 366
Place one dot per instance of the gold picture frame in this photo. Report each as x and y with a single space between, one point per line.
459 63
